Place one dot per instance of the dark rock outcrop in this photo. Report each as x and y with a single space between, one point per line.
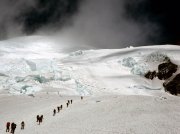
166 70
173 86
150 75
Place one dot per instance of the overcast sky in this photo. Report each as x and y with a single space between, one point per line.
97 23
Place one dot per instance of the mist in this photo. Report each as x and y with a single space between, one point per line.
85 23
105 24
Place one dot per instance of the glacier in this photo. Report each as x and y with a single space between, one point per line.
27 68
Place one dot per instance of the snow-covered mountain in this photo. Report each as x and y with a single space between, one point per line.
36 63
118 99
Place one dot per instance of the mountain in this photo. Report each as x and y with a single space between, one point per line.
33 64
124 91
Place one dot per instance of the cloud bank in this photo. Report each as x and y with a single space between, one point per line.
93 23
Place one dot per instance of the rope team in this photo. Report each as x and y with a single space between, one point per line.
11 127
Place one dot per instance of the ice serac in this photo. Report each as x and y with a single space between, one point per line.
32 65
30 68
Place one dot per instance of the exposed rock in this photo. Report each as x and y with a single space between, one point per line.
173 86
166 70
151 75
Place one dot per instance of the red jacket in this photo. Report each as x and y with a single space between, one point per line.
8 124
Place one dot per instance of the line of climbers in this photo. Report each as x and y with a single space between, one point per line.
60 107
11 127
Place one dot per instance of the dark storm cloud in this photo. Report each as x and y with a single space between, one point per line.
46 12
96 23
22 17
163 13
9 9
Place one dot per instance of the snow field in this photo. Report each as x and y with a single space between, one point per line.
83 72
106 114
36 77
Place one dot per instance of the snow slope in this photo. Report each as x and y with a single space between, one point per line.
36 76
33 64
110 114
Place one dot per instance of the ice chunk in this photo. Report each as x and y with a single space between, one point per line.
139 69
14 67
82 89
38 78
1 74
32 65
129 62
30 89
19 79
65 76
24 89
